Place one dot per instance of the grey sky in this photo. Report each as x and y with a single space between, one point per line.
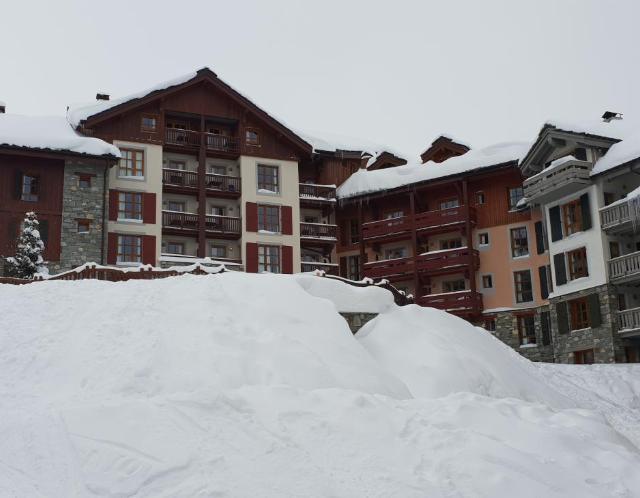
395 72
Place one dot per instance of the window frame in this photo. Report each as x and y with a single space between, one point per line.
520 291
125 151
577 263
137 248
85 223
212 247
253 142
33 194
175 243
148 129
264 186
266 260
443 203
527 329
513 239
136 207
510 197
481 198
579 316
85 178
353 267
454 288
354 231
449 244
571 217
266 215
487 278
480 236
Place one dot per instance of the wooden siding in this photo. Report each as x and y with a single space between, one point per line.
495 210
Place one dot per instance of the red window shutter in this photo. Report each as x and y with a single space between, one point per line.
113 205
252 217
251 257
149 207
149 249
287 259
112 248
287 220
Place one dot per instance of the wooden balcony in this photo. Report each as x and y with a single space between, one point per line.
328 268
391 269
448 261
190 139
444 220
558 181
629 322
616 218
186 182
319 232
462 303
625 268
312 195
223 227
391 228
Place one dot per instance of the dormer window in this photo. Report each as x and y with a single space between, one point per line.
149 124
580 154
252 137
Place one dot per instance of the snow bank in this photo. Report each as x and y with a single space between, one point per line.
50 133
619 153
247 385
347 298
363 181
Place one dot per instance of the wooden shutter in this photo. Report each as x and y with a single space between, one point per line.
556 224
43 228
286 213
251 257
563 317
561 271
149 208
112 248
539 237
343 267
287 259
113 205
595 320
544 287
149 249
252 220
18 185
586 211
545 327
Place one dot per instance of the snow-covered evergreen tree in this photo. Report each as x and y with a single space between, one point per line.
28 259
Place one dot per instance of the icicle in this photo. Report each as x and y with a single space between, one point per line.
634 211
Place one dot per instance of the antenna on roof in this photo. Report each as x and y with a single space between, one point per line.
609 116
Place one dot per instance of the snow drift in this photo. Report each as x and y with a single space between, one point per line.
249 385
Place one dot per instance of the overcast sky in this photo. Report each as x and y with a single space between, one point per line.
393 72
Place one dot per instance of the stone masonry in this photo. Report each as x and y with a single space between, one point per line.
507 332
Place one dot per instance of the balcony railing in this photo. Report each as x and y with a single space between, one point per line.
448 260
444 217
221 143
329 268
317 193
615 217
382 228
629 320
189 138
179 177
391 269
459 303
625 268
222 183
189 179
179 220
318 231
176 136
224 225
558 180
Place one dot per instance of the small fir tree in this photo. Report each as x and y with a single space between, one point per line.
28 259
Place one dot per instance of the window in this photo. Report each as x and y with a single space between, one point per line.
30 188
614 249
181 165
354 231
217 210
217 170
487 281
609 198
175 248
519 242
149 124
579 310
268 178
622 302
269 218
524 290
311 219
584 357
577 260
218 251
515 195
129 249
84 181
394 214
572 216
453 285
83 226
545 326
527 329
479 198
353 267
269 259
129 206
483 239
175 206
490 324
450 243
580 154
449 203
395 253
131 163
252 137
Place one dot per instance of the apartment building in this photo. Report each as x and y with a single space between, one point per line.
582 190
48 168
207 173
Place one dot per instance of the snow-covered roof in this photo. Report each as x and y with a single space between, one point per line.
50 133
449 137
620 153
80 112
364 182
616 129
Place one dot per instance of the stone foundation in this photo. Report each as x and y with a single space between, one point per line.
357 320
507 332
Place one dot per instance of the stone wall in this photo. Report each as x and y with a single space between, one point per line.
507 332
82 203
357 320
604 340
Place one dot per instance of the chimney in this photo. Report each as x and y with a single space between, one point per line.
609 116
102 96
3 107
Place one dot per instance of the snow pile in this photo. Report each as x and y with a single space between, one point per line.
50 133
248 385
363 182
